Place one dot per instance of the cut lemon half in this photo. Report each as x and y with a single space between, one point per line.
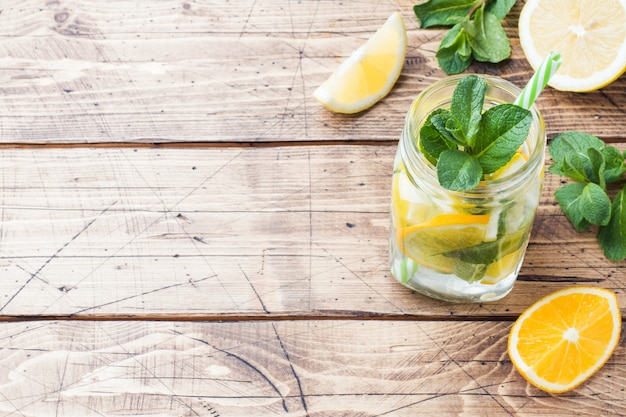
590 35
369 73
426 243
564 338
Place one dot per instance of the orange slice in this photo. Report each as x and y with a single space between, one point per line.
564 338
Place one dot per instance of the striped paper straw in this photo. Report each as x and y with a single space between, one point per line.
539 80
403 269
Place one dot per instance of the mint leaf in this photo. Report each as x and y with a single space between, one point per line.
467 105
455 53
503 130
476 31
469 271
597 165
566 143
442 12
488 252
458 171
584 204
570 152
569 199
615 166
595 204
574 167
448 127
464 143
586 159
431 141
500 8
472 263
490 43
612 237
483 253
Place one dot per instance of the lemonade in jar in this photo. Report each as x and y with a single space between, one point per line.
466 184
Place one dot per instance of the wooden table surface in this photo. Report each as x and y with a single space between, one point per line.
185 231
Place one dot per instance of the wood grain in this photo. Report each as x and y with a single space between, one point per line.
135 231
175 71
289 368
185 231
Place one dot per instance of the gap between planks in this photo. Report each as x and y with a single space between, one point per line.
207 145
337 316
161 144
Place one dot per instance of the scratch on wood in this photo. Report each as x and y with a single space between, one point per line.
245 24
480 386
254 290
210 409
184 218
192 282
360 278
293 371
243 361
53 256
200 239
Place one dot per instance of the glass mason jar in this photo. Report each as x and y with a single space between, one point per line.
463 246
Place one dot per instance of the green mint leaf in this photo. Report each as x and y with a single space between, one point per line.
574 167
472 263
569 153
467 105
449 127
580 156
483 253
615 166
612 237
488 252
569 199
458 171
442 12
455 53
469 28
598 164
476 30
595 205
490 44
565 144
431 141
469 271
500 8
587 159
503 130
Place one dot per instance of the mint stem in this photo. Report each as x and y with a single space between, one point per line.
477 6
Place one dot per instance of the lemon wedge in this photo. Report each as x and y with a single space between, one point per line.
369 73
590 35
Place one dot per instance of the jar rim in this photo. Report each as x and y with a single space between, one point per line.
537 131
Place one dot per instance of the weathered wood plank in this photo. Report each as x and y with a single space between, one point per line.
172 71
195 232
289 368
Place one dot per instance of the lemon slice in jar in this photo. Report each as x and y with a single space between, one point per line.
426 243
